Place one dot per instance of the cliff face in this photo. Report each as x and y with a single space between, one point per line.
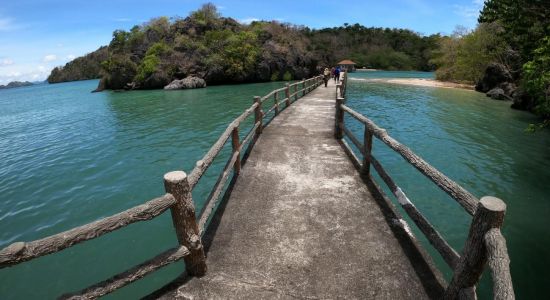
81 68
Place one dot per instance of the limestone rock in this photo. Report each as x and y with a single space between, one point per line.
498 94
189 82
495 74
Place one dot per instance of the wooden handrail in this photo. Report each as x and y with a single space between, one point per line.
24 251
120 280
461 195
203 164
178 198
485 243
499 263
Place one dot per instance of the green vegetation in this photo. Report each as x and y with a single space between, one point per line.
82 68
221 50
510 50
464 56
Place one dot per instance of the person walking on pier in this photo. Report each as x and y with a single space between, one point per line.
326 76
337 75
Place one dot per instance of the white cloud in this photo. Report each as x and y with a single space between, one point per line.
38 73
6 62
248 20
71 56
50 57
220 7
469 12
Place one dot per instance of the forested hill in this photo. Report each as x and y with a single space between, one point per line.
81 68
221 50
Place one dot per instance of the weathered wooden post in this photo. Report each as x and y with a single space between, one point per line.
303 87
489 214
258 115
183 217
367 148
236 144
287 94
339 118
276 100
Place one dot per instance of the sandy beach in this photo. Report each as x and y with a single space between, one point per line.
418 82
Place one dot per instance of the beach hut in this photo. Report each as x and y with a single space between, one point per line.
347 65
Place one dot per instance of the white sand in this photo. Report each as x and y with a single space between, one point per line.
418 82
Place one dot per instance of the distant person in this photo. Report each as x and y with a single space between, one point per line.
332 72
337 75
326 76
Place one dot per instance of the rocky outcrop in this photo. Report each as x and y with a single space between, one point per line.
189 82
497 82
495 74
498 94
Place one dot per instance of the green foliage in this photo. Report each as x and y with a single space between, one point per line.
82 68
536 78
275 76
287 76
464 56
147 67
525 22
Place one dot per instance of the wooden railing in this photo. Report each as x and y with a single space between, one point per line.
178 199
485 243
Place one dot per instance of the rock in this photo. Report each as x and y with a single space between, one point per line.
508 87
495 74
498 94
522 100
101 86
157 80
189 82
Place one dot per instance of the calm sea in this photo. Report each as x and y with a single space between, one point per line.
68 157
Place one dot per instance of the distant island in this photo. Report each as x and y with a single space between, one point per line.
15 84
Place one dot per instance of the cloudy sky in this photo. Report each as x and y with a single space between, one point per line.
37 35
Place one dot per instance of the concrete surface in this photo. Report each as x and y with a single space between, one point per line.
301 223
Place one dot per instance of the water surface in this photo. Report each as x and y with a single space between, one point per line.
481 144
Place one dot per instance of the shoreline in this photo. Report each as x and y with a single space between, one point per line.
420 82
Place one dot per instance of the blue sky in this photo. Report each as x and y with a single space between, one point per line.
37 35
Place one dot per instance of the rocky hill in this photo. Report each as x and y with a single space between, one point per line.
222 50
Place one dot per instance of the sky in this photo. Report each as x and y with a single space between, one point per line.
38 35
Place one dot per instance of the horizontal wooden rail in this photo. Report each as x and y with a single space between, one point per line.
216 191
24 251
485 243
127 277
499 263
450 256
203 164
461 195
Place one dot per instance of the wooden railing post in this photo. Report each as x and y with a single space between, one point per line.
367 147
287 94
183 217
236 144
489 214
303 87
339 119
276 101
258 114
296 92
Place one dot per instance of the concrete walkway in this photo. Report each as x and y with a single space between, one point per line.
301 223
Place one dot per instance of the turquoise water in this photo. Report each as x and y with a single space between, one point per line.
68 157
481 144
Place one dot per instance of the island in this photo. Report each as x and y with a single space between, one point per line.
16 84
